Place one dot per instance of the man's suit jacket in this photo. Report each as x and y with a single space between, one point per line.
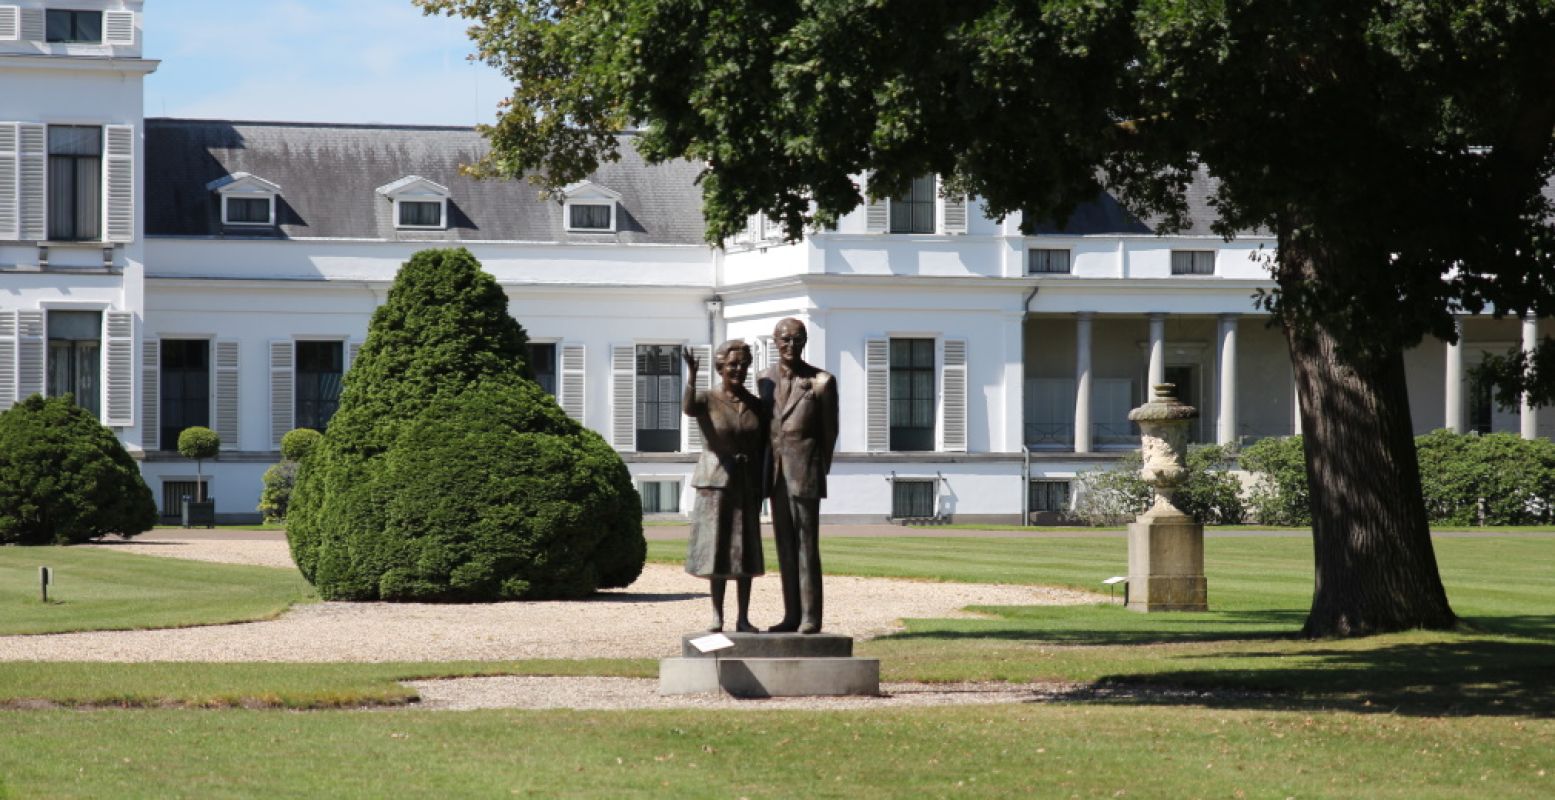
803 430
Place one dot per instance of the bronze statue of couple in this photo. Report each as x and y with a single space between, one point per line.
777 445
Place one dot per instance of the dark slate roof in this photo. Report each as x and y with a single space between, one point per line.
1106 214
329 175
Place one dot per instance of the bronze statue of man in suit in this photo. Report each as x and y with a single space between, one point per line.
802 404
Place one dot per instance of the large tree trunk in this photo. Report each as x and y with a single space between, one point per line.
1375 567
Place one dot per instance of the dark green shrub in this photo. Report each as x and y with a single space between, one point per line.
1210 494
276 494
1279 494
64 478
447 474
1487 479
298 443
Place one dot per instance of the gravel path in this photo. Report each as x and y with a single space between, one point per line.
645 620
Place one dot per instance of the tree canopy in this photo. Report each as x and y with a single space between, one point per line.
1398 149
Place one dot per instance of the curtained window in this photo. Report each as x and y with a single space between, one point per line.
658 398
75 357
913 212
912 394
75 183
420 214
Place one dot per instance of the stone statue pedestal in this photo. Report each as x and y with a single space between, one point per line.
1166 564
772 665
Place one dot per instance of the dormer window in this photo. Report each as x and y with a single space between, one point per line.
419 204
73 27
246 200
590 208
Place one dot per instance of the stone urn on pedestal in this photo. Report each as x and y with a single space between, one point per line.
1165 546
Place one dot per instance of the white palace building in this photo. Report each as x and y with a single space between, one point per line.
173 272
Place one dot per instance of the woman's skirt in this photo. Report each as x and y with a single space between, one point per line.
725 534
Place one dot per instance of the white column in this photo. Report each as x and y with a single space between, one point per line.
1082 383
1529 416
1225 369
1157 371
1454 376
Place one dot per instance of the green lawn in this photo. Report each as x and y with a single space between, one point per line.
1224 703
97 589
997 751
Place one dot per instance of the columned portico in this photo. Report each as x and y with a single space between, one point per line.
1225 370
1082 383
1528 417
1454 378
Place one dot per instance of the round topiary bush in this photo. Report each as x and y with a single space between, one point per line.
298 443
447 474
64 478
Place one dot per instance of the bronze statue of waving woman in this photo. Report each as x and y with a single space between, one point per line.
726 518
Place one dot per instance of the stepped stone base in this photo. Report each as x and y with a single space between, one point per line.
1166 565
772 665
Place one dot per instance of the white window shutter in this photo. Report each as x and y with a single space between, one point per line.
769 354
119 194
151 395
31 361
119 386
571 381
10 172
704 355
755 367
33 29
955 214
877 388
32 179
954 378
623 397
119 27
353 349
282 380
226 416
876 215
7 359
10 23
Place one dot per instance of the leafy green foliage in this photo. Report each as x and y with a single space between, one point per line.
64 478
1468 479
198 443
447 474
1209 494
1279 494
1489 479
298 443
275 495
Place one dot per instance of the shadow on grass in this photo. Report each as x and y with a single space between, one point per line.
1473 677
1017 626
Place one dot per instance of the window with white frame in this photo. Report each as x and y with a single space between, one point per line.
542 364
913 210
75 183
246 200
418 203
589 208
75 357
1047 261
1193 262
658 398
67 26
660 497
912 394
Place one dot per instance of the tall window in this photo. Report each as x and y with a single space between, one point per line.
912 394
1045 261
913 212
1482 408
75 183
75 357
1193 262
186 388
658 398
320 368
73 26
542 364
